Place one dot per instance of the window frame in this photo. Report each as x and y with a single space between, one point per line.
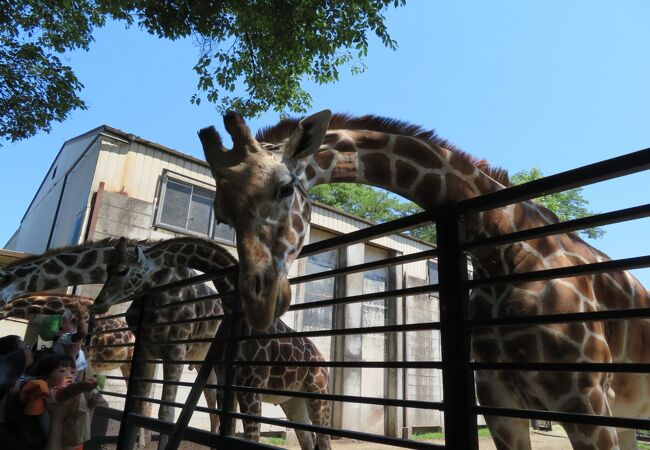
193 183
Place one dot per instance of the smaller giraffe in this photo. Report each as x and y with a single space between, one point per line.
132 271
104 343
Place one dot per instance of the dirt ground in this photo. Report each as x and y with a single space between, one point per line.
552 440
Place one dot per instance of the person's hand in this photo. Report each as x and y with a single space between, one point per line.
89 385
95 399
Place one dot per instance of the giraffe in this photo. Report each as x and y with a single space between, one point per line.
86 264
135 270
261 192
104 343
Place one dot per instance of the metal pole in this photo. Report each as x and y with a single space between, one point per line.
232 347
215 351
458 379
123 440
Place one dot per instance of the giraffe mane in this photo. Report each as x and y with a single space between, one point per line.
107 242
278 133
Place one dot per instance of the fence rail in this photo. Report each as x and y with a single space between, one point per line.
455 326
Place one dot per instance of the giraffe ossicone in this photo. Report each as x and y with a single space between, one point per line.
262 193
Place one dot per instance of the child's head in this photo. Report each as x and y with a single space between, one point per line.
58 370
12 343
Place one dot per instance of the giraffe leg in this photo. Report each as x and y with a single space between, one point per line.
144 390
250 403
142 439
296 410
211 399
507 433
319 410
171 372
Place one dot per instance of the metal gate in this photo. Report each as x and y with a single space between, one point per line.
459 405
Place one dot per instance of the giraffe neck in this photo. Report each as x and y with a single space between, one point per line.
72 266
192 253
27 306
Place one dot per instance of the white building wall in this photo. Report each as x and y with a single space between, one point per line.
77 159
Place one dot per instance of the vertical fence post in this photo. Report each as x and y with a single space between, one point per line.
215 351
457 378
232 347
124 443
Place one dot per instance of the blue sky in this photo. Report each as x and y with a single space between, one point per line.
551 84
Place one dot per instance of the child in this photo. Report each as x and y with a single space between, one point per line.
17 430
69 339
55 384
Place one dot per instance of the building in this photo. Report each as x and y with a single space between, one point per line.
110 183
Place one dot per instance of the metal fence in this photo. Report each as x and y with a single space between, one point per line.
459 407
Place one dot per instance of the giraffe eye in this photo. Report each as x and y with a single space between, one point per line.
122 271
285 190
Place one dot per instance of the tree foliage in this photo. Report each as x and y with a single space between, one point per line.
372 204
36 88
566 205
381 206
269 47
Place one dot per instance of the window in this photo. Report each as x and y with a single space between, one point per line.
432 269
319 318
187 207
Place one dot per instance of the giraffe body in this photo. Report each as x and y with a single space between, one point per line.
138 270
86 264
268 177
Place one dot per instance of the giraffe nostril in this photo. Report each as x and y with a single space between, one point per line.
258 285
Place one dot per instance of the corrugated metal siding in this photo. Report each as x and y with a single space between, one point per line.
135 169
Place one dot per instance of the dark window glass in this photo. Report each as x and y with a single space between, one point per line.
189 207
176 204
200 211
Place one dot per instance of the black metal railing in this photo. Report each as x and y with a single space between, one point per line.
455 326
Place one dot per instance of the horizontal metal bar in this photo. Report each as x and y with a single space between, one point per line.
366 266
112 394
608 218
588 316
423 326
112 316
365 234
110 345
111 413
589 174
617 265
196 435
194 300
114 330
404 292
556 416
420 404
568 367
367 437
176 322
342 331
231 270
352 364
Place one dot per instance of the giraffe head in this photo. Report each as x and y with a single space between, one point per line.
261 195
125 275
7 286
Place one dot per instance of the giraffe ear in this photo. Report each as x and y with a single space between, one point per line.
140 254
308 136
